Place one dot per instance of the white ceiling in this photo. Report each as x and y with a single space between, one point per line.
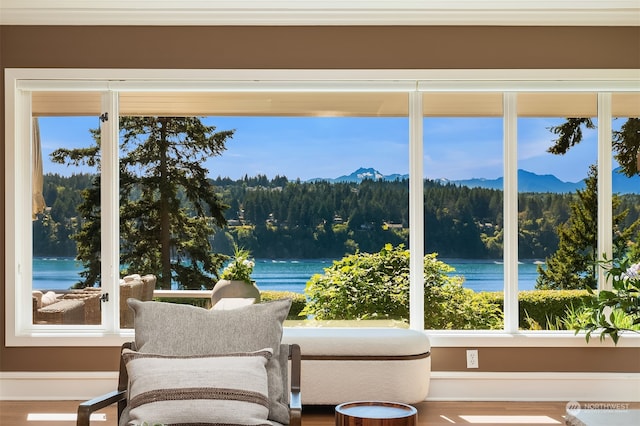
320 12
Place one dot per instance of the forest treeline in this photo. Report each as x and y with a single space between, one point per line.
278 218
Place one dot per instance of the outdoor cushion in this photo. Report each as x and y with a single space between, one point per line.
49 298
198 389
184 330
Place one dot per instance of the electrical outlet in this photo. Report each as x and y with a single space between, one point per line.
472 358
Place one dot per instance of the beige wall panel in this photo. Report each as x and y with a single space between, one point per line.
222 103
625 104
453 104
557 104
65 103
435 104
266 104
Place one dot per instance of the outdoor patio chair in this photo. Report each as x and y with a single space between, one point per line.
185 364
137 287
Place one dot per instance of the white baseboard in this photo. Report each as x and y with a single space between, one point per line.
465 386
56 386
444 386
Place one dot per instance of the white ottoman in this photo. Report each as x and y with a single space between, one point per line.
358 364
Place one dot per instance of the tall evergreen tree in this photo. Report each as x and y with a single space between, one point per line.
626 145
626 141
168 207
577 240
573 265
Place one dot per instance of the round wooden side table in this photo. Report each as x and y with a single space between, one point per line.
376 413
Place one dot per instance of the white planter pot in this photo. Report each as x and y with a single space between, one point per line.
234 289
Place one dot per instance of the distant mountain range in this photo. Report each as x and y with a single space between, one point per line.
527 181
361 174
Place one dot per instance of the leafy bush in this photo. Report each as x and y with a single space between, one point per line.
366 286
447 304
298 301
476 311
240 267
614 311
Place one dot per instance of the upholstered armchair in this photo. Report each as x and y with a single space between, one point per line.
194 365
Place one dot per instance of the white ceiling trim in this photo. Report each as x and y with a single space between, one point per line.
321 12
198 79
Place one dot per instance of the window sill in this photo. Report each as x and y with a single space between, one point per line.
497 338
72 339
438 338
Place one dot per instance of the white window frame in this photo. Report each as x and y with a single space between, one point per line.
20 82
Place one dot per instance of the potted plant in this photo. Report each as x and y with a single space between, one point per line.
616 310
235 279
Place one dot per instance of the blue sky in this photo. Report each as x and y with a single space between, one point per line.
311 147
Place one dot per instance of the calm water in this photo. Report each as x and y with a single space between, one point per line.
292 275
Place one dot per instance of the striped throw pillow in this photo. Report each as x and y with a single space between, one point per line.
205 390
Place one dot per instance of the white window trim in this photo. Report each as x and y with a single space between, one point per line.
320 12
17 113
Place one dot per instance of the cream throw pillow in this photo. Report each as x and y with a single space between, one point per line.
216 389
184 330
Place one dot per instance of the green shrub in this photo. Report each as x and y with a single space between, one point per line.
544 309
298 301
548 307
366 286
572 319
378 288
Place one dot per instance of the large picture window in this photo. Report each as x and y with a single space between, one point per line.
311 178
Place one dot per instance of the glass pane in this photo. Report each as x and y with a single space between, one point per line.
64 292
307 191
304 181
463 203
557 205
626 176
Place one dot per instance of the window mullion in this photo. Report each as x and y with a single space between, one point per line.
416 212
605 191
510 206
109 200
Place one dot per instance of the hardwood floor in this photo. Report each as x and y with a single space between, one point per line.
37 413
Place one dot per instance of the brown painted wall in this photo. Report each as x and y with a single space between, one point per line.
592 359
321 47
367 47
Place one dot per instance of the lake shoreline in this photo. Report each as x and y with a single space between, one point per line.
51 273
